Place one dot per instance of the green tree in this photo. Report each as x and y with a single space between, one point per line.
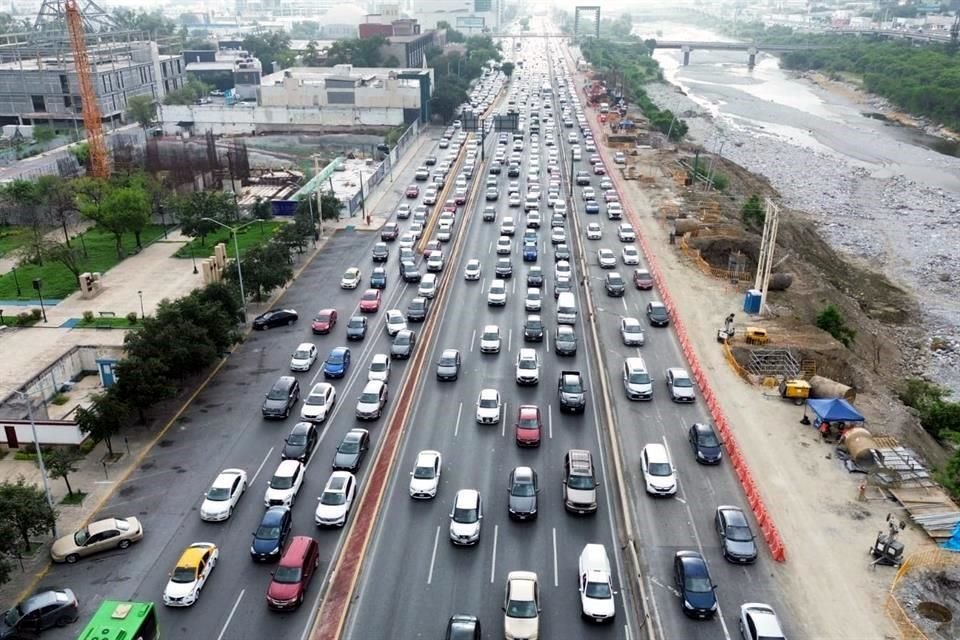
182 347
507 68
269 48
142 384
198 43
191 210
831 321
104 418
188 94
153 23
211 311
262 209
311 55
265 268
330 206
25 199
26 509
142 109
454 36
360 52
70 257
124 210
9 549
61 462
60 199
43 134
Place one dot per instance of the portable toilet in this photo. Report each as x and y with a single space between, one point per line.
751 302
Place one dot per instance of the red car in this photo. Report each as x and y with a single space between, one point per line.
413 191
528 426
433 245
450 205
370 302
325 321
293 574
460 197
643 279
610 196
390 232
599 170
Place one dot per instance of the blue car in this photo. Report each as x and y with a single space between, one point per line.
697 591
378 279
529 252
271 535
337 363
591 206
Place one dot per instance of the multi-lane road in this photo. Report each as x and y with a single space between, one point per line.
414 579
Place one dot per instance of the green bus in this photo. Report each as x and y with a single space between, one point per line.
116 620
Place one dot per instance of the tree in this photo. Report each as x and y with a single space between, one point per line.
752 212
360 52
69 257
43 135
330 206
24 198
142 384
193 208
60 199
104 418
265 268
507 68
142 109
61 463
188 93
25 507
311 55
223 297
454 36
262 209
269 48
153 23
123 210
182 347
833 323
391 62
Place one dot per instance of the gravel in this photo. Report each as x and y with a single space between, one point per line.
908 230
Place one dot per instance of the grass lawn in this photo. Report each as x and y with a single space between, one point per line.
12 238
254 235
120 322
58 282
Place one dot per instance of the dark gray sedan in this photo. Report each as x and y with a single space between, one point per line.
403 344
448 366
351 450
737 541
522 494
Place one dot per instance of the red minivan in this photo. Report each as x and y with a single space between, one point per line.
293 574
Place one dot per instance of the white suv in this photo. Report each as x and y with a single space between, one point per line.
596 584
488 406
528 367
283 487
659 476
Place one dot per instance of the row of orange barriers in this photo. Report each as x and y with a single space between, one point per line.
770 533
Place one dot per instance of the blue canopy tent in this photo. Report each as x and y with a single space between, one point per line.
834 410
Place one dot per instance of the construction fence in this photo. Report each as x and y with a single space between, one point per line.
922 560
404 143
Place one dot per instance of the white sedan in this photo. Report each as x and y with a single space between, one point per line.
606 259
351 278
488 406
521 606
472 270
223 495
379 368
625 233
319 403
395 322
334 503
504 245
195 565
425 477
497 295
304 357
630 255
594 231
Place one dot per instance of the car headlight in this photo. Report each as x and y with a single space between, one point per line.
713 607
275 551
687 605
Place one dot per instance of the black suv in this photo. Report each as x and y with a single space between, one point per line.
573 395
282 398
614 285
565 341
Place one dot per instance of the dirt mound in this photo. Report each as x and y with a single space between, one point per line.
931 598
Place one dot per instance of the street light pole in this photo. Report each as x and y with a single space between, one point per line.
236 258
142 314
38 284
36 443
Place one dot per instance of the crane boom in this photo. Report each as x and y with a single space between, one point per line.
99 161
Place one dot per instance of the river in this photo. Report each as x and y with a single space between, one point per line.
879 191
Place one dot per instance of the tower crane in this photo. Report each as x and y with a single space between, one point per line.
99 161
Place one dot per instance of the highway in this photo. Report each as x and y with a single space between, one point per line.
223 428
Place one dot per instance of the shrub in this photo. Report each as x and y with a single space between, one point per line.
24 319
752 211
60 399
87 445
88 316
36 314
132 317
833 323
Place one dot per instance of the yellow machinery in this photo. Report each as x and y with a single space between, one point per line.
756 335
797 390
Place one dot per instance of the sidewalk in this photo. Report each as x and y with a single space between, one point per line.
158 275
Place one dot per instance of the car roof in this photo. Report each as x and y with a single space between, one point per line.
192 556
373 385
288 467
656 452
225 479
103 525
320 388
427 457
523 473
764 619
449 353
489 393
466 498
654 304
273 515
734 515
301 427
339 350
354 434
630 321
677 372
380 357
305 346
42 599
529 410
521 584
693 563
527 353
338 481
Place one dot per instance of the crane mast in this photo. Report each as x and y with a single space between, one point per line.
99 161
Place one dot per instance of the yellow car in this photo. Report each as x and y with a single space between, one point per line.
193 568
103 535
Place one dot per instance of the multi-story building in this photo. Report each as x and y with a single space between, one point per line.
410 50
469 16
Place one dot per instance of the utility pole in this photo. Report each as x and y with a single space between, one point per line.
768 244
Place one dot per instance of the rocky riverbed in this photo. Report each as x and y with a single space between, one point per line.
902 225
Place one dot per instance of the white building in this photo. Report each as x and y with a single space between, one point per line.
469 16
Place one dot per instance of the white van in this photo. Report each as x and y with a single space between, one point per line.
596 584
566 308
428 285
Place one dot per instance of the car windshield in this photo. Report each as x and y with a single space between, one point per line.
639 377
297 439
580 482
534 324
424 473
277 393
378 366
370 397
268 532
521 609
528 364
355 323
528 423
614 279
660 469
11 617
571 386
465 516
523 489
658 312
401 339
491 335
739 534
448 361
707 439
682 382
301 354
281 482
698 584
183 575
598 590
488 403
349 446
323 317
333 498
288 575
218 494
335 358
369 296
316 400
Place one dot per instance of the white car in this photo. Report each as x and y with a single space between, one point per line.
514 200
334 503
680 385
521 606
490 339
562 270
406 241
759 621
533 301
304 357
425 477
416 229
223 495
489 407
508 227
472 270
606 259
283 487
379 368
659 476
560 207
319 402
435 262
497 295
596 584
528 366
504 245
614 210
594 231
631 332
625 233
557 235
630 255
193 568
444 233
351 278
395 322
466 517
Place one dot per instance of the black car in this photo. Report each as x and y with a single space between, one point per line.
271 536
351 450
275 318
281 398
300 443
357 328
698 597
504 268
571 391
41 611
705 443
417 309
381 252
489 214
561 252
533 329
389 232
461 627
378 279
657 314
614 284
403 344
535 277
495 169
410 271
430 161
565 341
522 490
737 541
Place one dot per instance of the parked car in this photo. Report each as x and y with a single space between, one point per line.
275 318
41 611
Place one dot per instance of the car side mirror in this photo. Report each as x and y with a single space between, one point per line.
503 608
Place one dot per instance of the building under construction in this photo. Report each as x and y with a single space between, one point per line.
38 70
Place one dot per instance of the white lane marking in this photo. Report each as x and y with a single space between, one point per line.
666 587
546 339
493 559
556 573
490 247
550 420
456 428
316 447
513 286
433 558
236 604
473 339
624 301
483 284
510 340
260 468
